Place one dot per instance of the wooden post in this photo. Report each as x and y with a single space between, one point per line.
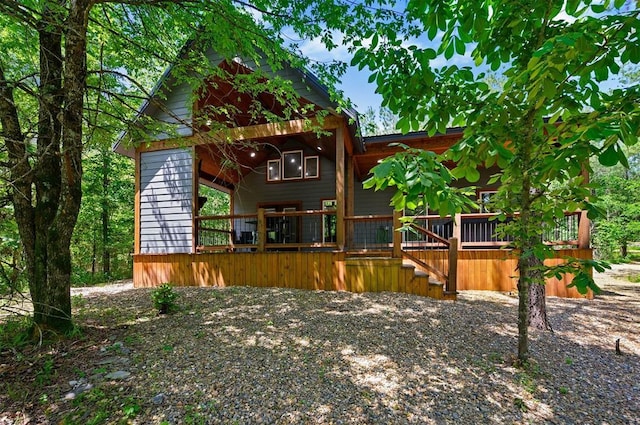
457 228
340 187
195 183
452 276
350 202
397 236
584 227
584 231
262 230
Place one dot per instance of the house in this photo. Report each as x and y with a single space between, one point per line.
299 216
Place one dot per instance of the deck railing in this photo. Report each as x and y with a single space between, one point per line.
267 230
436 253
480 230
317 229
369 233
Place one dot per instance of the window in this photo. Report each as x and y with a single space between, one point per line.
311 169
273 170
484 200
292 165
329 221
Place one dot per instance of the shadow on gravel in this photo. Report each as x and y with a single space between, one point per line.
265 355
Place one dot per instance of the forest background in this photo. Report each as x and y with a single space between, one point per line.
102 244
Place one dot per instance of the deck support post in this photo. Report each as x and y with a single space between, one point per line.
340 181
452 276
584 231
397 235
350 202
195 210
457 228
262 230
136 208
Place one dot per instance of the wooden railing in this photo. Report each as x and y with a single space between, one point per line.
479 230
266 231
432 252
369 233
432 242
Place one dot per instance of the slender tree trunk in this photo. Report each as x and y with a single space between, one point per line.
106 254
94 250
537 298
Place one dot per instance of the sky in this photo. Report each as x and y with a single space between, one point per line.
362 93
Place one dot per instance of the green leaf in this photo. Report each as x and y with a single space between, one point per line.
549 89
382 170
448 53
609 157
472 175
460 47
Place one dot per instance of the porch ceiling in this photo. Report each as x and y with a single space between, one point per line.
227 163
378 148
237 98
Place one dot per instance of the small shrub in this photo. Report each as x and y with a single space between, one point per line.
634 278
15 331
164 298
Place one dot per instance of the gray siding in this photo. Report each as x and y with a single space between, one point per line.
166 201
173 104
370 202
254 189
174 109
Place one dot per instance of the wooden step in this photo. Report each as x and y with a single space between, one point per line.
367 254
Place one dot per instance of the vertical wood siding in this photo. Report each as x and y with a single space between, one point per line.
495 270
166 201
333 271
329 271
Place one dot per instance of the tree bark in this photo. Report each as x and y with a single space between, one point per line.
537 298
46 190
104 215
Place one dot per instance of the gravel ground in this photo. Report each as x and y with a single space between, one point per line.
261 355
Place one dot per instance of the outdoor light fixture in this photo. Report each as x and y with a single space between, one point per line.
252 154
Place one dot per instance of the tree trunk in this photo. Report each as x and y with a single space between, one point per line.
523 311
624 249
538 307
94 250
537 298
106 257
46 190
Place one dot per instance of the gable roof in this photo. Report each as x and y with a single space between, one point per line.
169 101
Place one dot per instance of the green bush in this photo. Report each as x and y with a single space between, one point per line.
164 298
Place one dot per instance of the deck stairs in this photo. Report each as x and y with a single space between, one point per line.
373 272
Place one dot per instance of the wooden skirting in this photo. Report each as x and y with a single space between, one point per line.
334 271
495 270
330 271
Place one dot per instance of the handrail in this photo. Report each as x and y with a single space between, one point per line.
369 217
430 234
427 266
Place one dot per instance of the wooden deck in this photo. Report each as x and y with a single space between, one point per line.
336 271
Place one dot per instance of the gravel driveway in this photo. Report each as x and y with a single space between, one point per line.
262 355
